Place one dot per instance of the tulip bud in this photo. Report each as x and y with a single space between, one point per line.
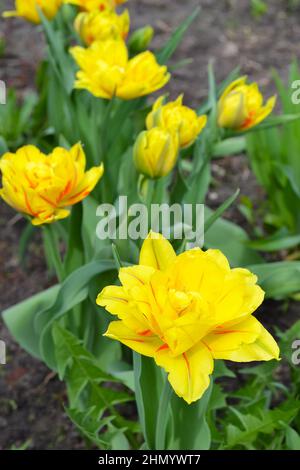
241 106
155 152
141 38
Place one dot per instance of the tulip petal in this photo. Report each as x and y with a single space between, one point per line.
43 219
114 299
78 155
86 186
157 252
239 296
236 83
264 111
244 342
188 372
135 276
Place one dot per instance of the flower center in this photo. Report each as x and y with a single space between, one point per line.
179 300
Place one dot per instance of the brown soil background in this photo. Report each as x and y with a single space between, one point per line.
31 400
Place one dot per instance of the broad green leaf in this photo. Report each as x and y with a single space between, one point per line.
75 247
73 291
228 147
231 240
292 439
278 280
148 386
20 319
275 243
190 428
3 146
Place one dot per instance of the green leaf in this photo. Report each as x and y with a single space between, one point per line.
75 248
231 239
275 121
278 280
20 319
24 240
232 146
275 243
220 211
218 398
252 426
221 370
292 439
73 291
89 426
205 108
190 429
3 146
92 405
61 60
148 385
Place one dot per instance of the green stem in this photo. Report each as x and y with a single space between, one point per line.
52 246
162 417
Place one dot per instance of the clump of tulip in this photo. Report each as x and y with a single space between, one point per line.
170 128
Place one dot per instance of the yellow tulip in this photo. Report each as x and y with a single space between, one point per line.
27 9
106 71
175 117
155 152
95 25
241 106
93 5
186 311
42 186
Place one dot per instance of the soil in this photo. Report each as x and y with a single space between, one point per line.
31 399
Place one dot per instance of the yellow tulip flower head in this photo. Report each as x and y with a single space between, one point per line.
42 186
176 117
106 71
155 152
27 9
241 106
96 5
96 25
186 311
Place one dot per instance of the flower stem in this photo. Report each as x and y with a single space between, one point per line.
162 417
